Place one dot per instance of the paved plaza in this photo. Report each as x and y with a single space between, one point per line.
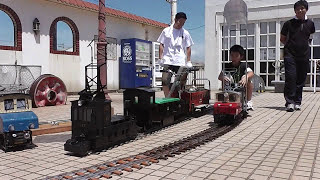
270 144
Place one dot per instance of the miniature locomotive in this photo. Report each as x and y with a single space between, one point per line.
16 120
229 106
230 103
151 112
94 129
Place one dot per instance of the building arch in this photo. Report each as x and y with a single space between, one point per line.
17 29
53 37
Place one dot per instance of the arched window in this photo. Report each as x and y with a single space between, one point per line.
6 30
64 37
10 29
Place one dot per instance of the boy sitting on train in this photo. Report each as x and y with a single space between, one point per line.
242 75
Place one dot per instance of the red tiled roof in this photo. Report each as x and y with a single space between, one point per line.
113 12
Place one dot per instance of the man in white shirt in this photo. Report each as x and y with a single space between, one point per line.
175 49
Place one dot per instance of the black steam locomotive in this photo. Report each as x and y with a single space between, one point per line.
93 128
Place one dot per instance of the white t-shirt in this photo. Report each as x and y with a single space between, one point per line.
175 42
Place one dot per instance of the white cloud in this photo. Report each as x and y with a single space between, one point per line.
197 53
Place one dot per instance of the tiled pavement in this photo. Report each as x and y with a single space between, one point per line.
271 144
55 113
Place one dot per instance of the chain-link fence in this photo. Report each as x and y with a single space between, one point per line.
14 77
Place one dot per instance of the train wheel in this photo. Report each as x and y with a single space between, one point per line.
244 114
2 141
4 144
217 119
192 109
48 90
146 127
224 119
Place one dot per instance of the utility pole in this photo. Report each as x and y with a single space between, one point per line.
101 46
173 9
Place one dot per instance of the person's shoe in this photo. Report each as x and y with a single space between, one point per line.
290 108
250 105
297 107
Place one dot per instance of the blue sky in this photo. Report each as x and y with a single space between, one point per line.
160 10
64 37
6 30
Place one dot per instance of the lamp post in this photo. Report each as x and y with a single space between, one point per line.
173 9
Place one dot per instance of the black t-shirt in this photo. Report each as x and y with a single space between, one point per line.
236 71
298 33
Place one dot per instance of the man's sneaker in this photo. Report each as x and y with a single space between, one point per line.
290 108
297 107
249 105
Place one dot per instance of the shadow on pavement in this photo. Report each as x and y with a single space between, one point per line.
52 138
276 108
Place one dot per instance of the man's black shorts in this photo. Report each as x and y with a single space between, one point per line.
172 68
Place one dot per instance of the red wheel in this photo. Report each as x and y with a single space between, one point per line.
48 90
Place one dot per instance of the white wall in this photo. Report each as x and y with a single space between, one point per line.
10 57
258 10
36 51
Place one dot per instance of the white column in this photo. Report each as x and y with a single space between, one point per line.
173 10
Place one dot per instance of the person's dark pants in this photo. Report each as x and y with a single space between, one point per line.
295 73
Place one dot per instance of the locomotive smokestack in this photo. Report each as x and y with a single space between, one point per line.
101 46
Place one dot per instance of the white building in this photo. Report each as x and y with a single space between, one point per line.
30 48
265 19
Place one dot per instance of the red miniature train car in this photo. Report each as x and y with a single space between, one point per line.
228 107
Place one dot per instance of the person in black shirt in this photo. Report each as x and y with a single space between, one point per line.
295 35
240 70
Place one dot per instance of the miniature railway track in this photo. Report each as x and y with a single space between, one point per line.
106 170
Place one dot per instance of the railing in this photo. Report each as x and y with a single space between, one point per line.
92 77
315 65
199 74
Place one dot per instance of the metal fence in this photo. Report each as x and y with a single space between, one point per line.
199 74
18 75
